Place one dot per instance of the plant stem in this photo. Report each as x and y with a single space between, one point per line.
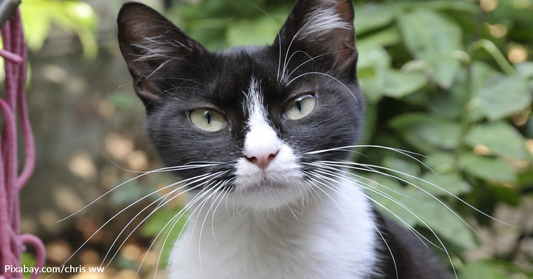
495 53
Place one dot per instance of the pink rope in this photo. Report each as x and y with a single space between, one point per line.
11 182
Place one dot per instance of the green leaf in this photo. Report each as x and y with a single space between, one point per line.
386 37
525 69
445 105
399 83
482 269
158 221
442 220
372 55
258 32
501 138
372 88
443 5
487 168
372 16
420 128
373 62
450 182
433 37
36 23
390 198
401 166
419 205
71 15
481 74
503 96
440 162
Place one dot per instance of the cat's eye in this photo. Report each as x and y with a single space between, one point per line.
300 107
207 120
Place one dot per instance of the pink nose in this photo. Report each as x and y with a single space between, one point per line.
262 157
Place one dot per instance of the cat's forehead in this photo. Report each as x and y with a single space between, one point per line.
236 72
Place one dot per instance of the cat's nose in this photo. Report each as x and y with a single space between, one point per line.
262 156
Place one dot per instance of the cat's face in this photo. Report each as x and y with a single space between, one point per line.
249 122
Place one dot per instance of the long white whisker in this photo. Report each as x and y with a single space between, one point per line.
332 186
331 172
397 150
199 197
328 195
161 204
111 219
370 168
172 221
134 178
417 234
278 35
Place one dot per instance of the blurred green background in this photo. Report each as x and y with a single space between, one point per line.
451 81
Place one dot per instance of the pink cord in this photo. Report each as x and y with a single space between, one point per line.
11 182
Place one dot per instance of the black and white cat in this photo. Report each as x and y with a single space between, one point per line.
260 135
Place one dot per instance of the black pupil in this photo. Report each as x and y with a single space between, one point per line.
207 117
298 105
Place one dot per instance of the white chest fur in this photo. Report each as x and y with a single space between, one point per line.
330 236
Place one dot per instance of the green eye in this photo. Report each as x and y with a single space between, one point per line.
207 120
300 107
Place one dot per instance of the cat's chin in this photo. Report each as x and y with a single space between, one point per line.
268 194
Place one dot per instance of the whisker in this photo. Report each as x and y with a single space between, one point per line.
370 168
161 204
397 150
164 169
368 218
114 216
417 234
278 35
329 196
172 221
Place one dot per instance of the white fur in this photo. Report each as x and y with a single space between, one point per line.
321 239
276 225
261 136
322 21
158 48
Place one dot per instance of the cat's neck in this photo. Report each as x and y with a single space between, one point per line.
315 239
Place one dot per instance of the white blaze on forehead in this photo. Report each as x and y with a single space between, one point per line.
260 135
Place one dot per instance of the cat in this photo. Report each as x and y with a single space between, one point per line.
261 136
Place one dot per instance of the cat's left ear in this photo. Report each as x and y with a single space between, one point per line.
149 41
321 28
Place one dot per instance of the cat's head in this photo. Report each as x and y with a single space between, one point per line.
250 121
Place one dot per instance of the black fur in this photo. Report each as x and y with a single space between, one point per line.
182 76
195 78
411 260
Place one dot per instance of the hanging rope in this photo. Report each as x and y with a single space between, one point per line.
13 105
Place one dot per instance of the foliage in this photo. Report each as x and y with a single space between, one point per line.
79 17
437 82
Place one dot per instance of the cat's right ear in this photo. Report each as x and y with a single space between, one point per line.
148 41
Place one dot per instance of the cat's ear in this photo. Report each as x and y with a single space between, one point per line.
321 28
148 41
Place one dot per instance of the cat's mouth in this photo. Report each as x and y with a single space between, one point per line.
264 181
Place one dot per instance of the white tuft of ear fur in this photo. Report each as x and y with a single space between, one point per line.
322 21
158 48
